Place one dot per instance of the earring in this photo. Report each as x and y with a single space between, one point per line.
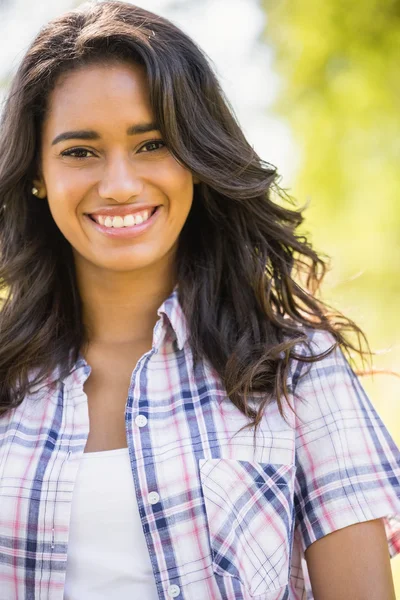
35 191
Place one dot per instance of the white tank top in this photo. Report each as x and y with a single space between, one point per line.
107 551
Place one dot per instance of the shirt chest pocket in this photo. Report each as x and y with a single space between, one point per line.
250 515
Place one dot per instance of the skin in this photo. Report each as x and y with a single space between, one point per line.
125 281
352 563
120 281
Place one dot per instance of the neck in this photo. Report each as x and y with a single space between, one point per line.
120 308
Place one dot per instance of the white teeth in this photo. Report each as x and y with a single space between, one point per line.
126 221
139 219
129 220
118 222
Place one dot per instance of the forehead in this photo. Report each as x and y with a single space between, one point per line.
99 91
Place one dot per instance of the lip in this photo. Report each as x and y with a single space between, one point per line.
122 211
125 232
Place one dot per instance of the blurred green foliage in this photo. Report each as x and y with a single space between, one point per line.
340 92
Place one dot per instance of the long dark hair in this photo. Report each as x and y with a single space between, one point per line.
238 255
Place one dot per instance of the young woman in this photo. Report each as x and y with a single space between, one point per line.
152 319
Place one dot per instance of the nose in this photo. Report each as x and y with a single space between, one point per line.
120 180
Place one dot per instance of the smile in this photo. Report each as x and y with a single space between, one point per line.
125 221
117 227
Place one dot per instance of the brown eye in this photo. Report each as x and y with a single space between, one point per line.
151 145
77 153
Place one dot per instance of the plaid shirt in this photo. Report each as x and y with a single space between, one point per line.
222 520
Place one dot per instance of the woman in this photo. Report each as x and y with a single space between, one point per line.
150 321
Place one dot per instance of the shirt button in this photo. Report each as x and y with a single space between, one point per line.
173 591
153 498
141 420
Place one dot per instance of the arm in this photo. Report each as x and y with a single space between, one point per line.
352 563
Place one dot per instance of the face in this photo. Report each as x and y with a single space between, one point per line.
102 152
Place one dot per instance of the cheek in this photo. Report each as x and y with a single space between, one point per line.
178 185
181 202
63 199
64 193
67 185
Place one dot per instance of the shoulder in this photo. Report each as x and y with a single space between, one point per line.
317 353
322 381
315 341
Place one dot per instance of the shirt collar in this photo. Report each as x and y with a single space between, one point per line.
172 309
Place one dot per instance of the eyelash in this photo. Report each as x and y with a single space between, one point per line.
71 151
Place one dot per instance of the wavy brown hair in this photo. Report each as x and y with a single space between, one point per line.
239 258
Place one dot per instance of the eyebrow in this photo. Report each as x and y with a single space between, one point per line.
90 134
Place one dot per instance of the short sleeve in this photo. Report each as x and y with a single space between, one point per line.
348 466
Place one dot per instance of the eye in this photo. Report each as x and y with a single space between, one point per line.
151 145
77 153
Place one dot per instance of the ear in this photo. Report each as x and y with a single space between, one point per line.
40 186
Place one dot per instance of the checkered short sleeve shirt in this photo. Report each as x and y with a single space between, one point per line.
232 521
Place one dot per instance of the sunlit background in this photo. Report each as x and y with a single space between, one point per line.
315 86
